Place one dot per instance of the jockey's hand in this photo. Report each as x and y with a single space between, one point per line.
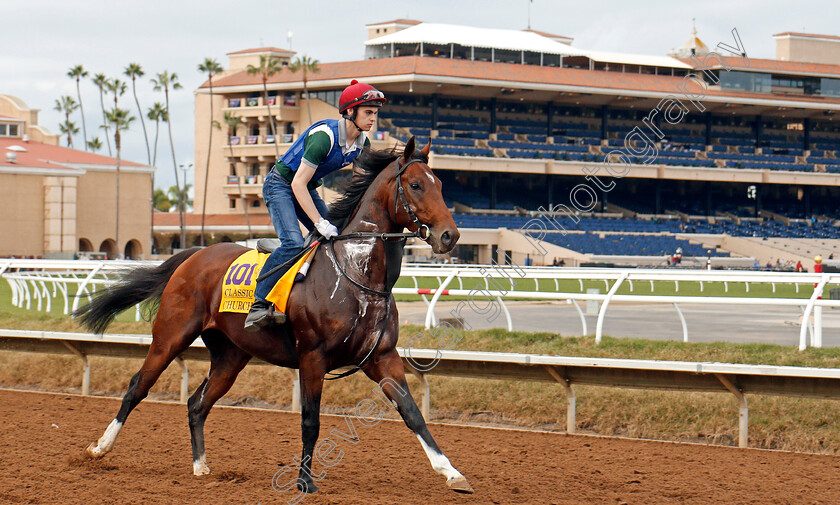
326 229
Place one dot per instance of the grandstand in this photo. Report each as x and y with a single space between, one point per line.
721 155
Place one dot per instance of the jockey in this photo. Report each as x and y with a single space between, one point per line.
290 187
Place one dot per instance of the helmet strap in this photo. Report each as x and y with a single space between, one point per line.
352 118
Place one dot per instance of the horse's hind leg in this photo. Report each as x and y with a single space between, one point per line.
226 361
169 340
387 370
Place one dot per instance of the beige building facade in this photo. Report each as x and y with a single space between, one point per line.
61 202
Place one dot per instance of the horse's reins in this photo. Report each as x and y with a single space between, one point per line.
419 233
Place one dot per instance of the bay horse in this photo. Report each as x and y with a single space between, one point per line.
342 314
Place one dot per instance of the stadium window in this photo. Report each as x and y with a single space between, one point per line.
232 203
829 87
3 127
255 203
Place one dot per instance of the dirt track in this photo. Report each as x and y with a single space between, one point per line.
42 437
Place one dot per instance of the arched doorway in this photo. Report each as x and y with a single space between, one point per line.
85 245
109 247
133 250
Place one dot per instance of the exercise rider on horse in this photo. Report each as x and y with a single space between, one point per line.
290 187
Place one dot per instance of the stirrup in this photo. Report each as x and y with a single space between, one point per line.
262 316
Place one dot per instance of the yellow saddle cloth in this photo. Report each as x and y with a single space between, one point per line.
240 280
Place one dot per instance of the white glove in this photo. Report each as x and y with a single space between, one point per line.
326 229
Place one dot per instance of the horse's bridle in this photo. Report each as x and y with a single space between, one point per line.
422 232
399 195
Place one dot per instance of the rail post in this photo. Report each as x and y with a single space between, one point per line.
85 362
599 329
743 410
571 407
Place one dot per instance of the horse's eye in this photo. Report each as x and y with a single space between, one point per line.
415 186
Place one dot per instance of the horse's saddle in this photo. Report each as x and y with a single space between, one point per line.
240 280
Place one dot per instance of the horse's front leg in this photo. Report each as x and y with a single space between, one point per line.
312 371
387 371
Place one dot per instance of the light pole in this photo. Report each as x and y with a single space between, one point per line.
182 204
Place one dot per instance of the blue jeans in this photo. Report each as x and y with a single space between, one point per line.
285 213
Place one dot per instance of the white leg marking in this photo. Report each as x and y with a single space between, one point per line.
440 463
200 466
106 443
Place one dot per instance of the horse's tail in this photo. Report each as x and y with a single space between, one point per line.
135 286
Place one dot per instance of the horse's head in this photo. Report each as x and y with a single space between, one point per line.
418 202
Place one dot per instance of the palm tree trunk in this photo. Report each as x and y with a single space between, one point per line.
154 169
177 180
104 120
69 130
142 121
117 145
82 108
207 166
157 131
271 121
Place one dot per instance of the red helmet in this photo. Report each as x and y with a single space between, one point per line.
358 93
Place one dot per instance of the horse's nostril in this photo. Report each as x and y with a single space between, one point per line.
445 237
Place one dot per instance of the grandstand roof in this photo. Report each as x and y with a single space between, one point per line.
778 66
646 60
471 36
487 78
515 40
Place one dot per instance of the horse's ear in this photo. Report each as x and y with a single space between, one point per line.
409 149
426 149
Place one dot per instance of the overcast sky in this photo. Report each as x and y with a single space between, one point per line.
42 39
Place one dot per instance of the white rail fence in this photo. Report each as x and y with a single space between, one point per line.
736 379
39 281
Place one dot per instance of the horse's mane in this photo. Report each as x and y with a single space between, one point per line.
369 164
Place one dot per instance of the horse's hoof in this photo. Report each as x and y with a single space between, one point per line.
460 485
92 451
307 487
200 468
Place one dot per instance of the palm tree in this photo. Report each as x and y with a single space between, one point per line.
269 65
77 73
233 123
117 87
212 68
121 120
134 70
102 82
67 105
164 81
156 113
305 64
94 144
68 127
161 201
180 198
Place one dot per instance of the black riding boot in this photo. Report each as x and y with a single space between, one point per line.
262 315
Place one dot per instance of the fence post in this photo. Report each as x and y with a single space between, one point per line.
571 407
743 410
85 362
